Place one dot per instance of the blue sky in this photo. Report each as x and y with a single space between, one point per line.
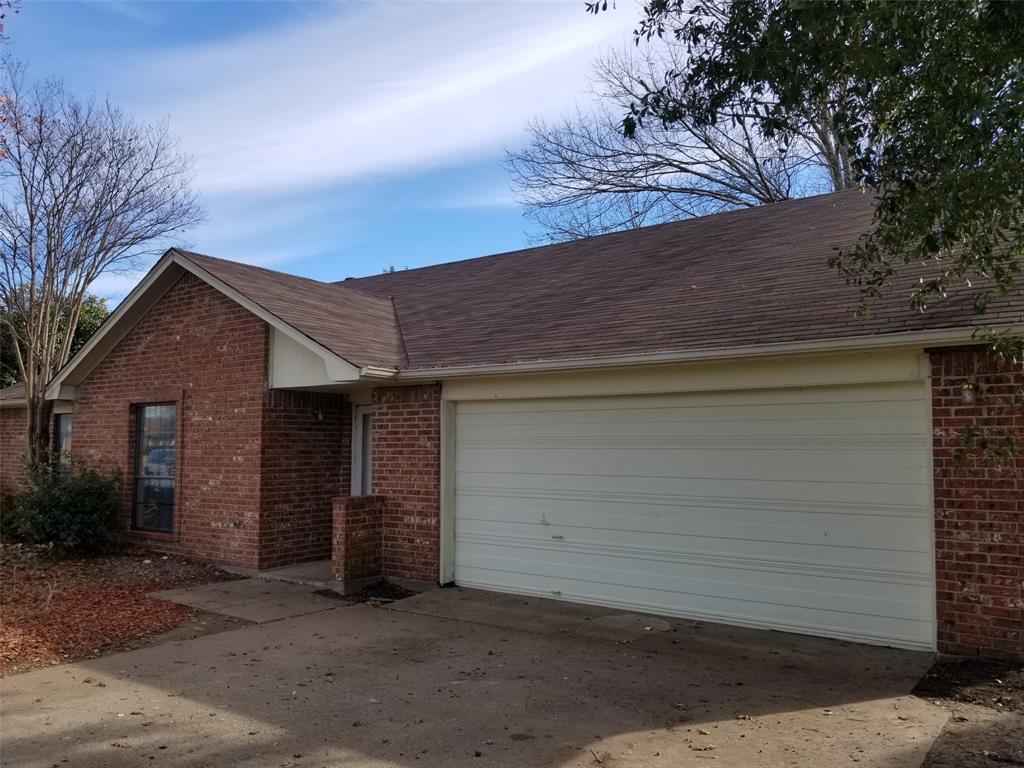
333 139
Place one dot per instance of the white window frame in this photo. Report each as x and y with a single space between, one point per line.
359 414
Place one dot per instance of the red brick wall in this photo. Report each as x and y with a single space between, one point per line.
199 349
356 553
979 509
13 422
407 472
306 444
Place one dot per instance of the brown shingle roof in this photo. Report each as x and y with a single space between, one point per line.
743 278
355 326
749 277
13 392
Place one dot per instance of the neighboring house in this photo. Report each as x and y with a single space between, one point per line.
687 419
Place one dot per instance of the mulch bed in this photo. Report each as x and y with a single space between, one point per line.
995 684
57 609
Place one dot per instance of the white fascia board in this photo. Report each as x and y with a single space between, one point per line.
952 337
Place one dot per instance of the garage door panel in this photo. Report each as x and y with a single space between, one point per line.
681 514
730 404
865 496
822 464
759 582
899 632
878 419
800 509
892 623
810 558
840 544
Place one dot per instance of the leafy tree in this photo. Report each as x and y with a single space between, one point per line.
84 190
94 312
580 176
928 97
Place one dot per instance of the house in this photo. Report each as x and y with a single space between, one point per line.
687 419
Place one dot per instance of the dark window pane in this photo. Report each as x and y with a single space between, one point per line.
155 467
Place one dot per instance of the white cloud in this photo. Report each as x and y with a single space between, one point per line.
499 196
374 88
294 126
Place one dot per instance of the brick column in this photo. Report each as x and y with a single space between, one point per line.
407 471
356 545
979 507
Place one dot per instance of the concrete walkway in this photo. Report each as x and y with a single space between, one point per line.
316 574
255 600
456 678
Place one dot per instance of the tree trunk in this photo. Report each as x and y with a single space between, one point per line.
37 432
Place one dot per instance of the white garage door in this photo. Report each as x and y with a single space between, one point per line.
804 510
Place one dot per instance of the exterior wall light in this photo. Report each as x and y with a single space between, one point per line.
968 392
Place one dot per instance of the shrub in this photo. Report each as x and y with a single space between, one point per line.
8 515
68 505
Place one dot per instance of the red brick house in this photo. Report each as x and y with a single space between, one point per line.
687 419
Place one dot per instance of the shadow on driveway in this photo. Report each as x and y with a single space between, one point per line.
461 678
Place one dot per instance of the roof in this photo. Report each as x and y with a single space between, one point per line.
736 279
349 334
755 280
358 327
13 393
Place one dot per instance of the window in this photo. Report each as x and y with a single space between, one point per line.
362 452
62 436
156 437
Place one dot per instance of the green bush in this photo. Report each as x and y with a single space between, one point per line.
68 505
8 515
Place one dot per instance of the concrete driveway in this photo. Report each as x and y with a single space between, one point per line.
460 678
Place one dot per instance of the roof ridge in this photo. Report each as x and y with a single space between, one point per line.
609 235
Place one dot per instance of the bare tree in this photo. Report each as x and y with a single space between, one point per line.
581 176
84 190
8 8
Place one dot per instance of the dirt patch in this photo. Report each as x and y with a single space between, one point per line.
978 737
381 592
384 591
985 700
58 609
995 684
